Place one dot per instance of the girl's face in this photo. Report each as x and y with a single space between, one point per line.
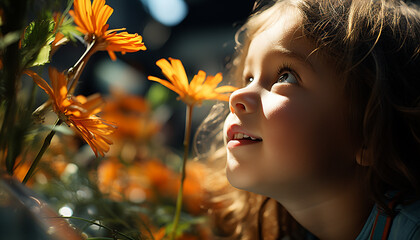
287 129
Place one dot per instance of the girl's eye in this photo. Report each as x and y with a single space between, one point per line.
287 77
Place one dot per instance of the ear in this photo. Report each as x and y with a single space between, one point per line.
361 157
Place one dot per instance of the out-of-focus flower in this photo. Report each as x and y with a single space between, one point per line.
91 20
21 168
53 165
132 115
193 187
159 175
135 182
160 234
59 38
200 88
110 180
77 112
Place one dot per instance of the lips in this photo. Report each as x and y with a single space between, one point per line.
240 136
237 136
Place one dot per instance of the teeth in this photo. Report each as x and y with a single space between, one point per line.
243 136
238 136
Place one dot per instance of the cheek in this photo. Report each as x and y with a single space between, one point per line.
300 139
286 136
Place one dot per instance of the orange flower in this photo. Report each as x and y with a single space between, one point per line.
160 234
91 20
21 168
110 178
193 187
77 112
200 88
132 115
59 38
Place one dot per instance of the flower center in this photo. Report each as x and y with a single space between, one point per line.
63 117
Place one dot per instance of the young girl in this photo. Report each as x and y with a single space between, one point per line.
323 138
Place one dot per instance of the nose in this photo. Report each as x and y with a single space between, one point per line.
244 100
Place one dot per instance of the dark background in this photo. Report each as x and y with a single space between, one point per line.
203 39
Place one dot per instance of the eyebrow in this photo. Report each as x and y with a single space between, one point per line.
290 54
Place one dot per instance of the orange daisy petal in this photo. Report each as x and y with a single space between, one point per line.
81 15
80 24
166 84
180 72
40 82
96 139
114 30
212 81
166 68
200 88
88 15
97 5
170 74
225 89
197 81
91 19
94 104
112 55
102 17
59 85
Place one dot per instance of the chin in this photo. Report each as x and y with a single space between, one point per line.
238 177
245 184
237 183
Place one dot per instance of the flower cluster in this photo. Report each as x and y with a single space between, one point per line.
91 20
78 112
137 172
200 88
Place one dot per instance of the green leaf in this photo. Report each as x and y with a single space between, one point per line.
157 95
68 29
38 34
43 56
182 227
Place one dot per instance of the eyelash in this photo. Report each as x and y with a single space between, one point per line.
286 67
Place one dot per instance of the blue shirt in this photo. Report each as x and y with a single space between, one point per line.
405 225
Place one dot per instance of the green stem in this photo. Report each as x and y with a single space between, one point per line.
41 152
184 162
100 225
74 73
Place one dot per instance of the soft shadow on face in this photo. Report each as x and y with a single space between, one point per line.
305 140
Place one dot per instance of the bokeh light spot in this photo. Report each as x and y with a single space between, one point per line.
167 12
66 211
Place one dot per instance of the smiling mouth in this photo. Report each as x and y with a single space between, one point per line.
241 139
237 136
242 136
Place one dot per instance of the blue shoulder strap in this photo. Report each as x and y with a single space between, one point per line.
383 221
